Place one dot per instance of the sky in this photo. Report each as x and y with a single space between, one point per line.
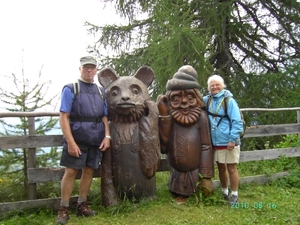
48 34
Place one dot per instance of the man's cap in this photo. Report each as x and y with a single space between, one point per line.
185 78
88 60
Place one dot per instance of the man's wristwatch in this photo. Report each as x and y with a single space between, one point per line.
109 137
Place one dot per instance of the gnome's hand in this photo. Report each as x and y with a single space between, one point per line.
162 105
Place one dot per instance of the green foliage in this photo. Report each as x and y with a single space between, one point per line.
125 206
292 165
33 217
267 167
290 140
229 37
49 190
285 141
199 199
269 204
292 180
12 187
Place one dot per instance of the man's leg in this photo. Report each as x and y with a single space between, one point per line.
67 185
85 184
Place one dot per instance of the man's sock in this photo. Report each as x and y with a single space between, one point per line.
64 203
80 200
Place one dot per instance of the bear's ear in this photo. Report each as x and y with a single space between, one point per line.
145 74
106 76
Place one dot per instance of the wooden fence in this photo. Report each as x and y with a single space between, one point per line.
41 175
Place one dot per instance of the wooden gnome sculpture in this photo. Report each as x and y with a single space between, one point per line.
185 135
129 166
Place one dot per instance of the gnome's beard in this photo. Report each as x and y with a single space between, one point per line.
186 119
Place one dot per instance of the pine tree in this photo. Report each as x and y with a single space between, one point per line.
22 96
253 45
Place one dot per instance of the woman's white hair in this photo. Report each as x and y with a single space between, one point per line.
216 78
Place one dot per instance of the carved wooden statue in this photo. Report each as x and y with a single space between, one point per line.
185 135
129 166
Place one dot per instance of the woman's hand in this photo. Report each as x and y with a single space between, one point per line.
230 146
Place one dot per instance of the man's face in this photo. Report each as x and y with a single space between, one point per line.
88 72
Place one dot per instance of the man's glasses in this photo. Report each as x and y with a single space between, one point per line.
89 67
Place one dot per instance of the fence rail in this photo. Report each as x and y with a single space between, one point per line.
44 175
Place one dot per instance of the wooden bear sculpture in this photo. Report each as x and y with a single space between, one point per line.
129 166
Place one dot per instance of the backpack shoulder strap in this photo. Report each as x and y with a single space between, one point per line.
214 114
101 91
207 106
76 88
208 102
226 100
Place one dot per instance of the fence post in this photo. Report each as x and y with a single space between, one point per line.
31 158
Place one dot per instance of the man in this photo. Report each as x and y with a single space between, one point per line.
84 123
225 134
185 135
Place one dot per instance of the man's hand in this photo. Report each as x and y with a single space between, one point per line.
74 150
105 144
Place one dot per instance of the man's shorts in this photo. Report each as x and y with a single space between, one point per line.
226 156
90 157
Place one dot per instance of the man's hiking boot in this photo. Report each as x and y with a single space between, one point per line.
233 200
84 210
63 215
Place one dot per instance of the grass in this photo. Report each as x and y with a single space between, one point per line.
274 203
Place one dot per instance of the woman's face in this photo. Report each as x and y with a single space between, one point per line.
215 87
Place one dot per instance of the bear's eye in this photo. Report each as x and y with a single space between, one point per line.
114 91
135 89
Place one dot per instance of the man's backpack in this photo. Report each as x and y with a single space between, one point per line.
76 88
225 106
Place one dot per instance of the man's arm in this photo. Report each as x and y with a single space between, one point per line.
106 140
73 149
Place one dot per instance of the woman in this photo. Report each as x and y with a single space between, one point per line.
225 134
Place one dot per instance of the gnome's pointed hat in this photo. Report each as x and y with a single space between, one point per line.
185 78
